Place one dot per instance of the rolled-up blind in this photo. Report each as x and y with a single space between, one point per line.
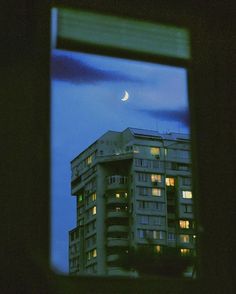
122 33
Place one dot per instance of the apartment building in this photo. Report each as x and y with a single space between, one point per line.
132 188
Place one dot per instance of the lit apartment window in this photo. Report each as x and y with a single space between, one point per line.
93 197
184 238
184 251
157 248
184 224
117 209
156 192
155 151
170 181
94 253
155 178
88 160
94 210
126 194
80 198
117 195
187 194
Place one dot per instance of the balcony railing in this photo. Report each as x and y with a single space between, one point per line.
117 242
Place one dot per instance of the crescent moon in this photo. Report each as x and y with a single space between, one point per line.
126 96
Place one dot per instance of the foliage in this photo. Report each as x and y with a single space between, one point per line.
147 262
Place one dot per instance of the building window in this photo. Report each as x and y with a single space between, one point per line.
170 181
171 236
144 220
186 181
141 234
80 198
184 224
155 151
88 160
187 194
94 253
184 251
94 210
184 238
165 152
156 178
143 177
156 192
158 235
157 249
117 195
188 208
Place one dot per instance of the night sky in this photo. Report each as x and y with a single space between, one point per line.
86 92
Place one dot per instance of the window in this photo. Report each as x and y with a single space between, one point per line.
184 224
170 181
156 192
94 210
89 160
171 236
184 251
141 234
156 178
143 219
186 181
158 235
91 254
187 194
184 238
188 208
143 177
94 253
80 198
155 151
157 248
117 195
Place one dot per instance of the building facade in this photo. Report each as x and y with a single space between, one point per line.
132 188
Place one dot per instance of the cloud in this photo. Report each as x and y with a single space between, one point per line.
73 70
178 115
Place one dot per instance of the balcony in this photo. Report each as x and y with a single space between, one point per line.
114 200
117 182
120 242
119 213
112 257
117 228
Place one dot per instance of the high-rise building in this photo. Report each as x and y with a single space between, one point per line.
131 187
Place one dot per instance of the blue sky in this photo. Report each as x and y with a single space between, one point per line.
86 92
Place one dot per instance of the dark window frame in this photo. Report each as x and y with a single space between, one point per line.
26 207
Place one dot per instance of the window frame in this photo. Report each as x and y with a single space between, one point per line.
30 37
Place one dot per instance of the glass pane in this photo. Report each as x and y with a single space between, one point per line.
121 148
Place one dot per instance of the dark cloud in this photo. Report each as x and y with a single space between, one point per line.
76 71
180 115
